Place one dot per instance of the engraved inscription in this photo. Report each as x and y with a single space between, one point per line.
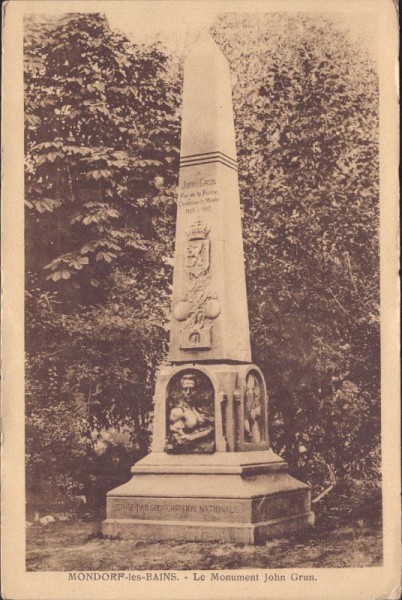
180 508
183 509
198 195
198 183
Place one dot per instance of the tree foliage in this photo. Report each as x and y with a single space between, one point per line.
102 136
102 126
306 104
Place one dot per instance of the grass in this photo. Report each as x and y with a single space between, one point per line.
79 545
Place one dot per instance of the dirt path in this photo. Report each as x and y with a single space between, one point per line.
79 545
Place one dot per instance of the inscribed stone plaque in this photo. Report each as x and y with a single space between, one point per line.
183 509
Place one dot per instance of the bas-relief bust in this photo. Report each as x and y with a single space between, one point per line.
191 418
190 414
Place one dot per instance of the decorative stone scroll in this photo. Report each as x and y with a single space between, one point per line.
190 414
199 305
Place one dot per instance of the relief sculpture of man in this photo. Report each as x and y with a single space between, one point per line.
253 412
190 419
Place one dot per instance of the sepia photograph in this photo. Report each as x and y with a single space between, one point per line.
202 336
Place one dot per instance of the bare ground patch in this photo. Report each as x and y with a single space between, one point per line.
80 546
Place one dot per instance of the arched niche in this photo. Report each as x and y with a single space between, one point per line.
251 412
190 413
254 409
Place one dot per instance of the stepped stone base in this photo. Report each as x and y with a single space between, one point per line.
244 497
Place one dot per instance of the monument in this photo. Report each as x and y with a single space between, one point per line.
211 474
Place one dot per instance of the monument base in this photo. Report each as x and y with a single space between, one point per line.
244 497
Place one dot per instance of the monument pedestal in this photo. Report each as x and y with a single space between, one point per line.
211 474
238 497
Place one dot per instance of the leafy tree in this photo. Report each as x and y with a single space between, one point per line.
306 105
102 126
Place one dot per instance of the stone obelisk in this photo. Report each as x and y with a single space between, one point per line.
210 318
211 474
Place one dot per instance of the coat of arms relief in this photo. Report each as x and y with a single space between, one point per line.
199 305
